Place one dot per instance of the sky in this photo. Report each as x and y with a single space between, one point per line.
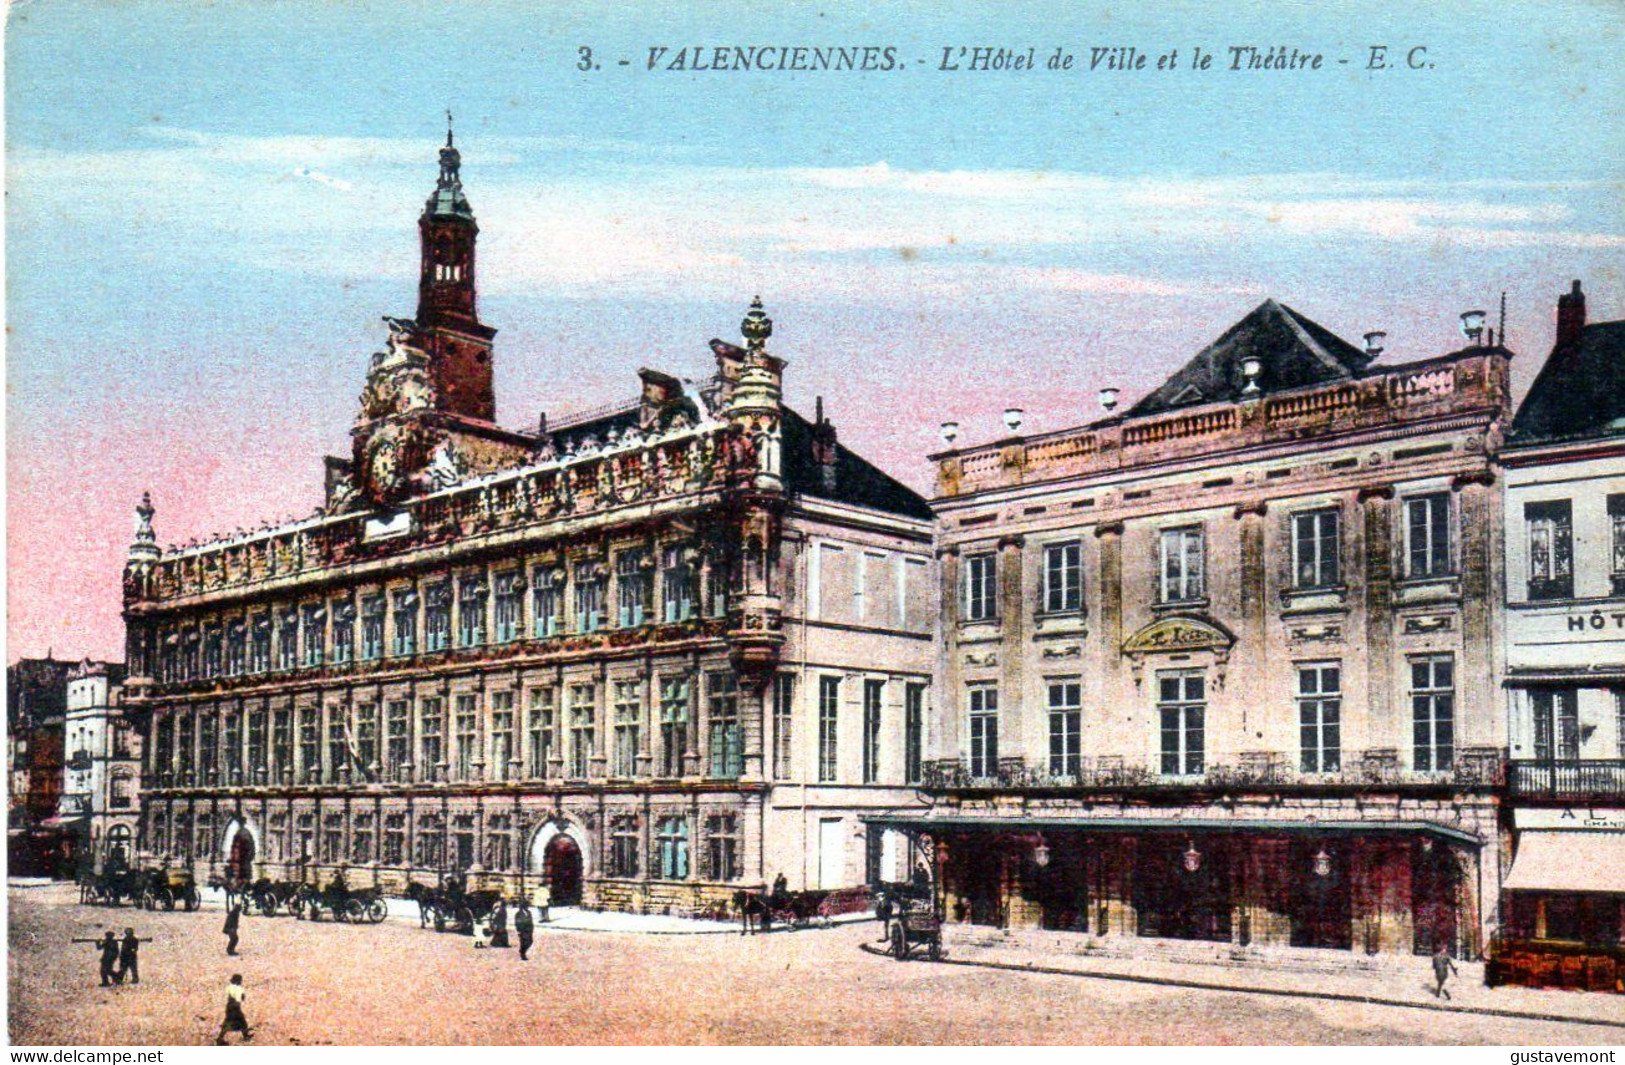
210 205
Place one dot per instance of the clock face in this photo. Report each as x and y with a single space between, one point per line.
383 466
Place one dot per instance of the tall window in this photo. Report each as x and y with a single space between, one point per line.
913 732
1315 549
208 726
984 730
232 739
1551 549
471 602
634 588
829 719
1063 578
397 739
366 740
503 763
583 729
508 605
981 587
259 645
590 587
1616 523
674 699
628 717
406 622
1320 717
1427 535
257 765
542 726
333 838
433 739
214 651
1181 565
236 646
1182 707
499 842
394 839
372 627
671 842
623 846
547 601
343 630
722 846
784 711
437 617
1619 720
1556 713
361 839
873 691
1065 726
678 582
726 740
310 744
462 842
1433 711
315 632
467 737
431 841
338 750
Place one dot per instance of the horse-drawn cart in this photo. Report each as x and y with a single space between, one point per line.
915 928
340 902
165 888
452 907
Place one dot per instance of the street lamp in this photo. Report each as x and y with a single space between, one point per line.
1012 418
950 433
1041 853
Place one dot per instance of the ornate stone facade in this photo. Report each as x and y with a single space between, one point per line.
1222 668
584 654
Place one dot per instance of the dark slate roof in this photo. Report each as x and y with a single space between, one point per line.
857 482
1579 393
1294 352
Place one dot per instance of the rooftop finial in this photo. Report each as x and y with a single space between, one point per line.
757 326
448 127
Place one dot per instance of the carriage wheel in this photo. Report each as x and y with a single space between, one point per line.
377 911
899 943
465 920
194 899
266 904
166 899
296 906
355 910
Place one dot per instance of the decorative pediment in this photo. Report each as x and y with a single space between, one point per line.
1179 634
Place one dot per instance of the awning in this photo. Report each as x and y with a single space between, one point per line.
1569 861
929 823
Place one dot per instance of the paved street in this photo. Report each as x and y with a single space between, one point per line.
320 984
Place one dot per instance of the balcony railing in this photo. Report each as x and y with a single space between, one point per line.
1587 778
1473 767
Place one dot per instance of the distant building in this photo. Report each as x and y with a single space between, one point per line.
1222 669
40 842
102 771
1565 658
651 654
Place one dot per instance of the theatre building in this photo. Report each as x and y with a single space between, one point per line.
1564 904
1221 668
653 653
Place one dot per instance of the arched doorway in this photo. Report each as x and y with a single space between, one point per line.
240 856
119 842
561 865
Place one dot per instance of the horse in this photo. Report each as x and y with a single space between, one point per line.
755 912
428 900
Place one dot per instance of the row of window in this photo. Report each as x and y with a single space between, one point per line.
449 844
469 612
1555 721
1550 527
1181 720
387 743
1316 538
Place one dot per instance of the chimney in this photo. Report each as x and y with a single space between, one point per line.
823 447
1571 316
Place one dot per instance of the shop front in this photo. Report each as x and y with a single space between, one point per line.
1370 887
1563 903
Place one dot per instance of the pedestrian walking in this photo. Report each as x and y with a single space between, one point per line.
233 917
883 911
524 927
1443 967
542 898
235 1019
129 958
499 924
109 948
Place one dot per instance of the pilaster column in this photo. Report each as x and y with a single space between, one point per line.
1382 728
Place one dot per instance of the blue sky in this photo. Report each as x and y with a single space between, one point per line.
209 206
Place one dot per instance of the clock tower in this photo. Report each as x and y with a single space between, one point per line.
448 325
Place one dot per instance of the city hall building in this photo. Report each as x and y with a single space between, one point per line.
651 654
1223 668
